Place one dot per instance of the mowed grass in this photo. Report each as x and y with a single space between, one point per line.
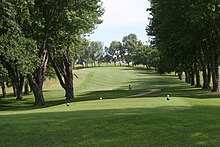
190 118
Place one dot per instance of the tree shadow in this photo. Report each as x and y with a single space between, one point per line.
169 85
173 126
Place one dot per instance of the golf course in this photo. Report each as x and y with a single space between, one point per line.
105 112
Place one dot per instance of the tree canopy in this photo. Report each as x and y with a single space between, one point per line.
188 37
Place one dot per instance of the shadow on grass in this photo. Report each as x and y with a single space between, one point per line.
168 84
160 126
27 103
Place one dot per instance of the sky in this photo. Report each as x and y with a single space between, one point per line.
121 18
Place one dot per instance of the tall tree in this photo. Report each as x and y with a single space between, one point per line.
187 31
115 50
129 44
3 79
74 19
17 52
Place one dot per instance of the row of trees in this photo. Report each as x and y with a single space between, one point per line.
187 34
34 33
129 51
91 52
132 51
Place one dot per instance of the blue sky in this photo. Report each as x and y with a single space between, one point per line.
121 18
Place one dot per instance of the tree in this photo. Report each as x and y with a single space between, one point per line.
129 44
3 79
115 50
187 31
74 18
17 52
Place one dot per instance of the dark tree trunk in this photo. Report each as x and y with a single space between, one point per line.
115 63
204 70
19 87
198 82
187 74
69 79
215 73
36 80
3 90
206 73
192 78
180 75
14 90
31 90
209 73
63 69
69 89
37 90
206 84
26 89
192 75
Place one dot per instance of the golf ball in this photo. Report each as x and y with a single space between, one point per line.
68 104
168 97
100 98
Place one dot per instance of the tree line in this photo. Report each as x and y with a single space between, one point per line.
187 34
130 51
35 33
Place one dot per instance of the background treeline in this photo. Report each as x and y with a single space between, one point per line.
129 51
187 34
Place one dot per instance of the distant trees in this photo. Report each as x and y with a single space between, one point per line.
187 34
130 43
90 52
132 51
115 52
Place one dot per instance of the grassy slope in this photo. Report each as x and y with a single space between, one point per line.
190 118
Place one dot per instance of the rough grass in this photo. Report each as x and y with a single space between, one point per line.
190 118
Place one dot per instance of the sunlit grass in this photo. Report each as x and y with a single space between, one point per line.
190 118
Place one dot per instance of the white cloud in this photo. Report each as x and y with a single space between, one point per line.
124 12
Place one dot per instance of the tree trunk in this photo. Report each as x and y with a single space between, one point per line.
206 82
192 75
204 63
63 69
69 79
215 73
36 80
19 86
69 89
26 89
14 90
198 82
37 90
192 78
187 74
180 74
209 74
3 90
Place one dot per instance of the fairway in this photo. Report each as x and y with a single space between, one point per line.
190 118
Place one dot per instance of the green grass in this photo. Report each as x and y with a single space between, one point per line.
190 118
